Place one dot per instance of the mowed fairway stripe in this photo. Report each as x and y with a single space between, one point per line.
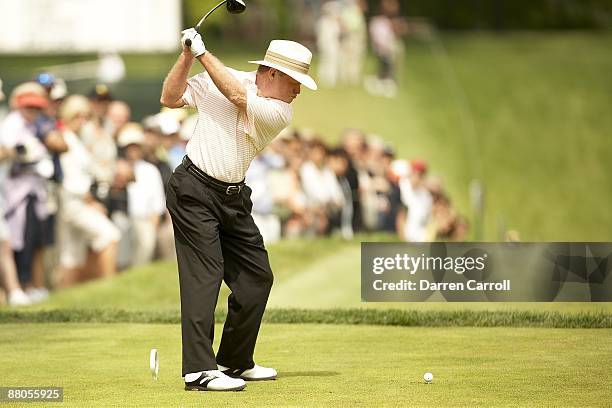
321 365
333 281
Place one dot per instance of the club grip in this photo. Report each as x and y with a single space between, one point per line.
188 42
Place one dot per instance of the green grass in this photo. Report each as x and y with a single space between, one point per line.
309 274
107 365
528 114
387 317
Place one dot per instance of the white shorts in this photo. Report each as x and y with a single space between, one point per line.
82 227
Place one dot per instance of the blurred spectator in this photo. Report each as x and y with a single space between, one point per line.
84 223
386 30
161 133
156 127
353 44
146 199
328 31
47 131
323 193
169 128
25 190
338 162
100 98
117 115
390 199
418 202
56 91
264 205
373 184
177 150
100 143
286 189
117 205
47 125
353 143
444 219
8 270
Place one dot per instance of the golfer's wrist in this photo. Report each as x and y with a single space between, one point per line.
198 50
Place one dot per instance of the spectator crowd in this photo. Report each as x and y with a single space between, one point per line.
83 188
342 34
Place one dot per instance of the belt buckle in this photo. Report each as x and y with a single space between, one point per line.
231 190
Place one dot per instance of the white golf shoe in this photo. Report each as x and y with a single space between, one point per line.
257 373
215 380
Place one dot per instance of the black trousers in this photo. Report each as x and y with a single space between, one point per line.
217 240
38 234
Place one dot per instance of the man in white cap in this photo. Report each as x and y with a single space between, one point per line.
239 113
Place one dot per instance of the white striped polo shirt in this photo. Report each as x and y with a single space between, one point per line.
225 139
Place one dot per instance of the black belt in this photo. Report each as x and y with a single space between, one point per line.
221 186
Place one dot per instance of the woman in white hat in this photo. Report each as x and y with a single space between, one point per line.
84 224
239 113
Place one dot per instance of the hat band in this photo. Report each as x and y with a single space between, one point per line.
283 61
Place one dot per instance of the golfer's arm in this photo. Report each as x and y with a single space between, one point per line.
229 86
176 82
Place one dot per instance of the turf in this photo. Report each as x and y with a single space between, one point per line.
322 365
387 317
309 274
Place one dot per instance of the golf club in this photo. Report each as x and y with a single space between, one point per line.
232 6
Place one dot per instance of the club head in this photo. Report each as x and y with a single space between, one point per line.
235 6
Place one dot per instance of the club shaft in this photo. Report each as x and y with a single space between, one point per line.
197 26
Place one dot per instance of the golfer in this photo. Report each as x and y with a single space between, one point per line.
239 113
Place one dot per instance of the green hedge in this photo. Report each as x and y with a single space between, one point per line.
412 318
512 14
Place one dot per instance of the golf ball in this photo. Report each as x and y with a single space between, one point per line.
428 377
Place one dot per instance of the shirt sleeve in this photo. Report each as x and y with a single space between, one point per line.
197 88
265 118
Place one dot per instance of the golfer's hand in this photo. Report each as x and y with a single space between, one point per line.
197 47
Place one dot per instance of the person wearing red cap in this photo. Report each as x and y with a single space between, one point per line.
8 270
417 200
25 189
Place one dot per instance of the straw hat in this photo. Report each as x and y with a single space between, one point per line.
289 57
